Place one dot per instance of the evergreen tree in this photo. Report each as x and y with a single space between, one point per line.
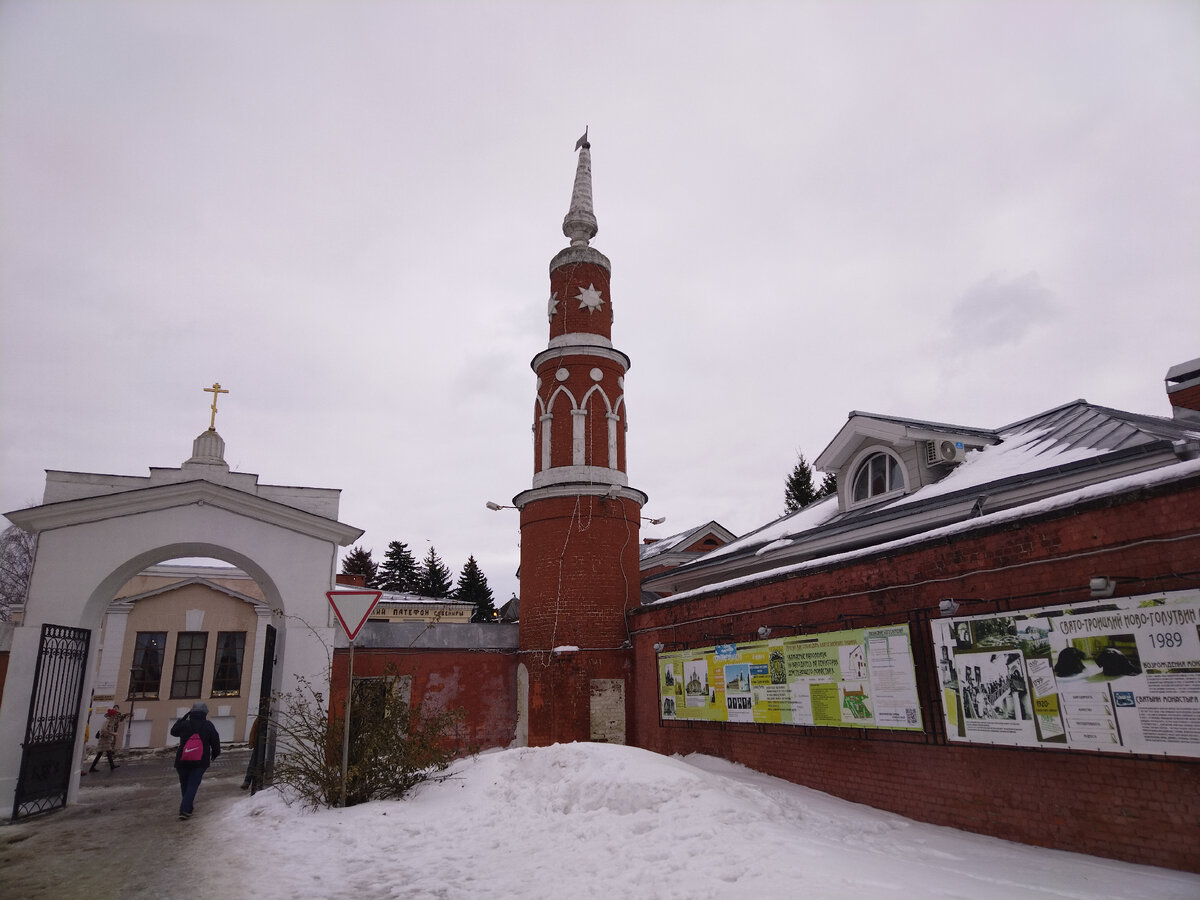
398 571
799 490
473 586
433 578
828 485
358 562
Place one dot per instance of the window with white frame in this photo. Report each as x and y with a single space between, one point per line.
879 474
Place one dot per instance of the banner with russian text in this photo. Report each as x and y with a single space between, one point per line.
1120 675
862 678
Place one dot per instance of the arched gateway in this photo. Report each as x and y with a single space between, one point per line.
95 532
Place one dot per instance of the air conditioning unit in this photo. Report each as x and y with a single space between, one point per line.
944 451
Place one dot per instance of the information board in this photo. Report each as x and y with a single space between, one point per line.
862 678
1120 675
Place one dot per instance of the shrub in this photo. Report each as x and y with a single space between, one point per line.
392 748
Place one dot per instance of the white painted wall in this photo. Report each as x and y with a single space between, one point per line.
80 567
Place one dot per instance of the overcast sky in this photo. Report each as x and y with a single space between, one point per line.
344 213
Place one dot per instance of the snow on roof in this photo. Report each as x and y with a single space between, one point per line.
390 597
1028 452
663 545
804 519
1049 504
678 541
1053 450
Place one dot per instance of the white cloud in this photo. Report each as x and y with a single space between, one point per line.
344 213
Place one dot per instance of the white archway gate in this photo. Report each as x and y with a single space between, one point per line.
113 527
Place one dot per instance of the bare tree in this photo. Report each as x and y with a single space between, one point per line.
16 565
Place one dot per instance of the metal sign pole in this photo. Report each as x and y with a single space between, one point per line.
346 728
352 613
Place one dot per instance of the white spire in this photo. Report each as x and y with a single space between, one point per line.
580 222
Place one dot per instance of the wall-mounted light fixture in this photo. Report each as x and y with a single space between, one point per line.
657 521
1102 586
658 647
764 631
948 607
494 507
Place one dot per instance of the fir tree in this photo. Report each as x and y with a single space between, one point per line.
799 490
473 586
828 485
358 562
398 571
433 578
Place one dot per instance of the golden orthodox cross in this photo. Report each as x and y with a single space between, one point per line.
214 390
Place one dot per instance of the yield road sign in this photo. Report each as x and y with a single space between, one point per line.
352 608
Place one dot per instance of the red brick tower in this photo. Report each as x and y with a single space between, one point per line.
579 521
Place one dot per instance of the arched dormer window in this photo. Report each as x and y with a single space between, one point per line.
880 473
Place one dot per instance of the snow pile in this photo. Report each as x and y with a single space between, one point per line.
600 821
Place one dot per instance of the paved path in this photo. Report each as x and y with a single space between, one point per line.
124 839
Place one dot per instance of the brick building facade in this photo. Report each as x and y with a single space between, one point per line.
933 524
1138 808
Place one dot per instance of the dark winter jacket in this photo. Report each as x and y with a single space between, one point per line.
196 722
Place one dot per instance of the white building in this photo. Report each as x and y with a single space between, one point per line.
98 532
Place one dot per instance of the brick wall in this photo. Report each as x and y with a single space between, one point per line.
1185 398
481 683
579 575
1137 808
560 700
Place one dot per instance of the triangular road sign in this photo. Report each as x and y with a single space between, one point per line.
352 608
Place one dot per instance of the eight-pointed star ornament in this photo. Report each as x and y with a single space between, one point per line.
552 305
589 298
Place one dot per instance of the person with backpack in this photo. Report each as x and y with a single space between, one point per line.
199 745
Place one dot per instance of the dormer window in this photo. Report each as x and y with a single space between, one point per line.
880 473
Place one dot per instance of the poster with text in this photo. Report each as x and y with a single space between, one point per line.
1120 675
863 678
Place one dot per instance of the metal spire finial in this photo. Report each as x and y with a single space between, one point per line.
580 222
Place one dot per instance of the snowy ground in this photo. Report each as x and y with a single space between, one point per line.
580 821
593 820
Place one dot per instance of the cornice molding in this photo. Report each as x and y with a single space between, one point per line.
189 582
569 255
602 478
577 489
564 350
185 493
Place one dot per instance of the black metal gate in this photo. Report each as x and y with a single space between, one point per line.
260 765
48 753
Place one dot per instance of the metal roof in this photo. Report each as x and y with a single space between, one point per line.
1061 449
